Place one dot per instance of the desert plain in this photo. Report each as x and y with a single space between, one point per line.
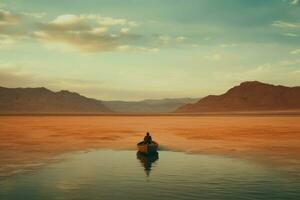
29 142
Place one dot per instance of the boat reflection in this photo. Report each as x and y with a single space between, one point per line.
147 160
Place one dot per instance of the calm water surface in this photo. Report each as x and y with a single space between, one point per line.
170 175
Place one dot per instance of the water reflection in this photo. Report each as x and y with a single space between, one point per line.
147 161
118 175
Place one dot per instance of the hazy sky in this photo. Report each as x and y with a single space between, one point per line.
138 49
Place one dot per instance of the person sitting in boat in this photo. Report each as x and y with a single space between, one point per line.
148 139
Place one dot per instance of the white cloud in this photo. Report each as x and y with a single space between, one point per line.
125 30
180 39
291 34
84 32
169 40
294 2
108 21
295 52
164 39
228 45
132 23
66 20
137 49
282 24
88 33
123 47
99 30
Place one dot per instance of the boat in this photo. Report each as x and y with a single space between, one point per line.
147 148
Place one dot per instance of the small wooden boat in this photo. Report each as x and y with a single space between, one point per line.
147 148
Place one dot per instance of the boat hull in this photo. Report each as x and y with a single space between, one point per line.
147 148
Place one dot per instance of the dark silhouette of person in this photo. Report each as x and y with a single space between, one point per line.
148 139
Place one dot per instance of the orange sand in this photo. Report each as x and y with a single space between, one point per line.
29 141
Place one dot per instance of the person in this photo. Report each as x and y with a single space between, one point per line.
147 139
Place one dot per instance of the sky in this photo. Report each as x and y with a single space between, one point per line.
138 49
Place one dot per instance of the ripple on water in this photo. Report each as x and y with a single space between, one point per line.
169 175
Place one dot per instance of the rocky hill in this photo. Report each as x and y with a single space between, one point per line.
248 96
42 100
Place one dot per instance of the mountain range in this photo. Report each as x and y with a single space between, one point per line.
43 100
248 96
149 105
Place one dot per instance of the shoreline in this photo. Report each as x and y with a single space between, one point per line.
232 113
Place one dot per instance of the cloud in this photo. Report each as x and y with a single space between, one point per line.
12 23
166 40
125 30
180 39
295 52
293 2
83 32
291 34
65 20
228 45
109 21
283 24
89 33
84 41
137 49
101 20
99 30
7 18
11 28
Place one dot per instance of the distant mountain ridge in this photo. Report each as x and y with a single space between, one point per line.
248 96
149 105
42 100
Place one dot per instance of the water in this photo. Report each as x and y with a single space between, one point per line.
107 174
